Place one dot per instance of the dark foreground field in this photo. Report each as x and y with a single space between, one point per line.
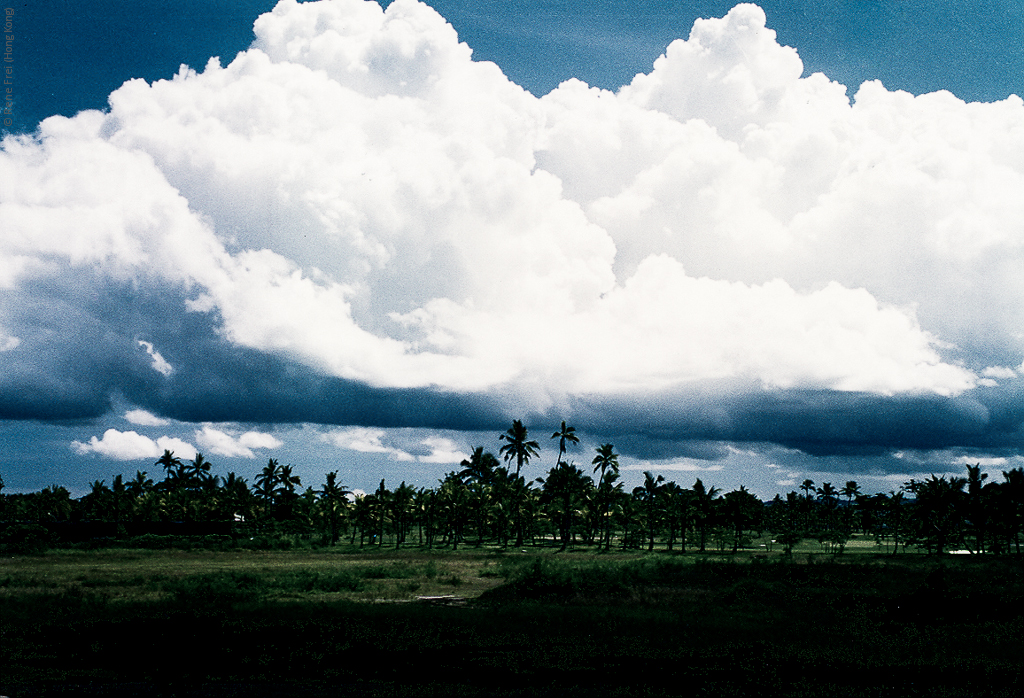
165 623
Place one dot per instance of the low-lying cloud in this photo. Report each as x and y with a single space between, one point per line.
355 223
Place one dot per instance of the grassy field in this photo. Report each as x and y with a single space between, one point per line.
490 622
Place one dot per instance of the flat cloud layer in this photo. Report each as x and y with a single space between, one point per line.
355 223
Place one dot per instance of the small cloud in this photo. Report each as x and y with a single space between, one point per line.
144 418
686 467
8 342
160 364
999 372
365 440
130 445
976 460
222 443
442 450
785 483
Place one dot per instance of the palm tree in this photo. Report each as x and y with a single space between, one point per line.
744 510
976 508
938 509
1011 492
196 472
704 508
650 495
564 435
97 501
679 509
518 447
607 461
265 487
401 506
172 467
479 467
453 507
564 483
894 517
333 499
237 502
850 490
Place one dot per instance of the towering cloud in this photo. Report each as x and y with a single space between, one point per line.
355 199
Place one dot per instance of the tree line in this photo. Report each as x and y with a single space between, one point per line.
488 501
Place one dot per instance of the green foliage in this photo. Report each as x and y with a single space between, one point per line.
25 539
215 592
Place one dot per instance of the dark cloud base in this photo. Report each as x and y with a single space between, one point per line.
696 423
80 355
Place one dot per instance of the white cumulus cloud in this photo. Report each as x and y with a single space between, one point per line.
356 193
144 418
225 443
404 445
130 445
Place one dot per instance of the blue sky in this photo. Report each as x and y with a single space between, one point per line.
357 246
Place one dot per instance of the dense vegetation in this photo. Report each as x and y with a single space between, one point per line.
490 502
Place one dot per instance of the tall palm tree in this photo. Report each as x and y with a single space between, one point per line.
650 495
938 509
565 435
479 467
197 471
704 508
976 508
744 510
401 509
333 499
237 502
265 487
172 467
1012 494
607 461
519 446
564 483
850 490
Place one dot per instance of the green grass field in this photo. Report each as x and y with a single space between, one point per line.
364 622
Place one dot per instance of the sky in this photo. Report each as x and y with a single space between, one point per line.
753 244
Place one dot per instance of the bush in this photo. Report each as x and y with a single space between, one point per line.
311 580
216 592
25 539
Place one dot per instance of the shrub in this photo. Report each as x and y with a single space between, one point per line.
25 539
215 592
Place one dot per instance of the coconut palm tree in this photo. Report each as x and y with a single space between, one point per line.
649 495
851 490
1011 493
743 510
564 483
976 508
479 467
519 447
196 472
565 435
703 508
938 509
607 461
266 486
401 509
172 467
333 500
